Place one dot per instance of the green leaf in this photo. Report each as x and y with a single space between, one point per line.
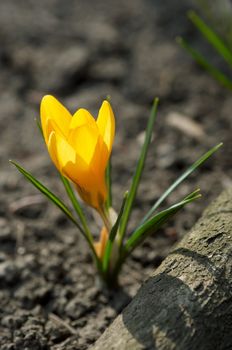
39 127
112 236
138 173
212 37
155 222
47 193
76 206
180 179
200 59
109 185
193 194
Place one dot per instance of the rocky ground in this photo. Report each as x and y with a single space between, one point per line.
81 51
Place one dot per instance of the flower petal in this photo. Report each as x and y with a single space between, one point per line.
100 159
71 164
65 153
52 149
51 126
83 140
106 124
52 109
82 117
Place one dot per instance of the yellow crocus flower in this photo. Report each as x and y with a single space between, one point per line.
80 146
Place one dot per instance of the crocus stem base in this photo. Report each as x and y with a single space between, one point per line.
105 218
109 282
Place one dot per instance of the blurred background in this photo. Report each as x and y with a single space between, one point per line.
80 52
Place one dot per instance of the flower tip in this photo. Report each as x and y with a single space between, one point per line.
108 98
47 99
156 100
106 103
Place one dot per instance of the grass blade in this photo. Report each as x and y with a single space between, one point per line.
216 73
39 127
112 236
211 37
47 193
109 185
156 221
180 179
76 206
138 173
193 194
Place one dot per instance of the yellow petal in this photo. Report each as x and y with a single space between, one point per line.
52 109
52 149
51 126
100 159
65 153
82 117
72 165
83 140
106 124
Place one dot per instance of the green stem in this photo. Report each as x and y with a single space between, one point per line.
105 217
76 206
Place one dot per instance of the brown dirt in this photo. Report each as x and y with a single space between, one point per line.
80 52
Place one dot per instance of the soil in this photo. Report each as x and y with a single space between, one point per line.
81 51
